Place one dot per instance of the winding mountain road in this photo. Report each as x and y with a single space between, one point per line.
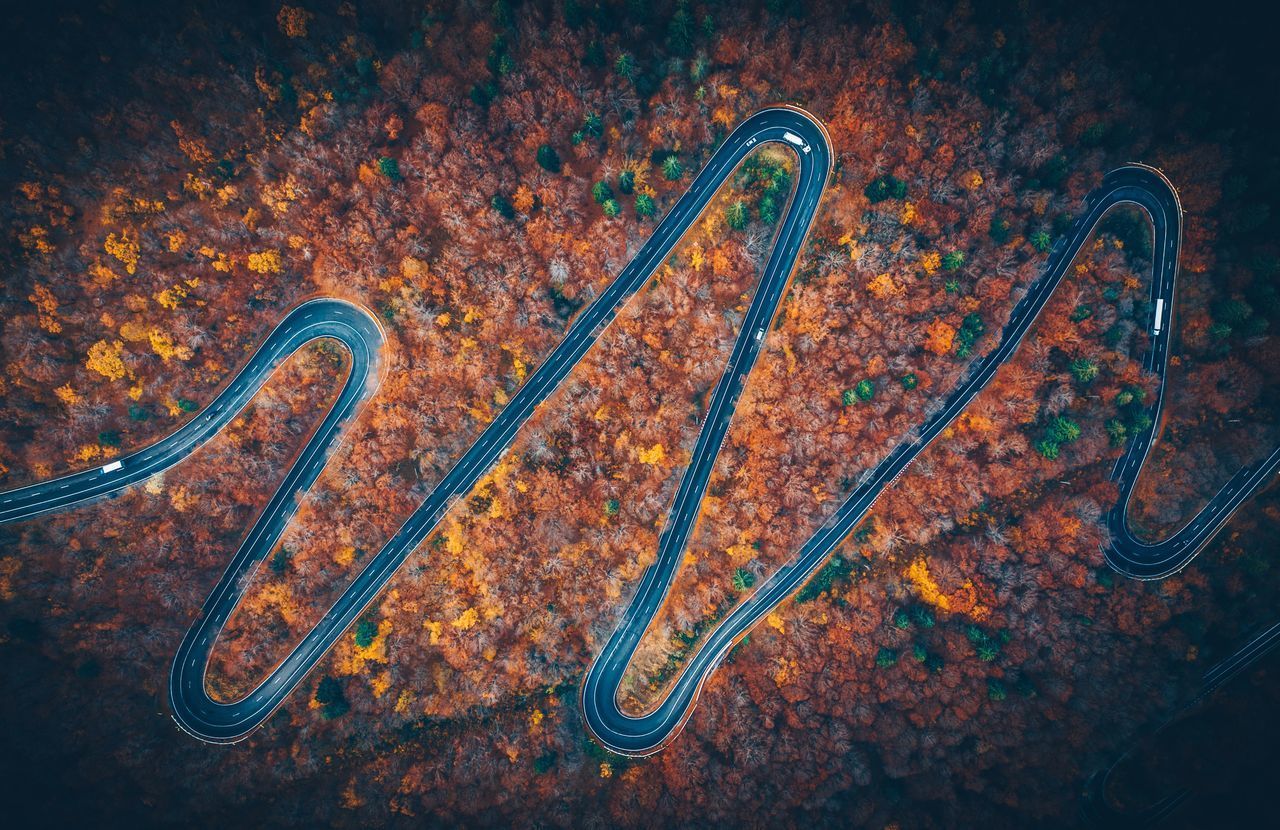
226 722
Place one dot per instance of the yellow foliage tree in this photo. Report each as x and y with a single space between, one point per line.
134 331
47 306
280 196
87 452
918 573
653 455
466 620
163 345
882 287
105 359
171 297
265 262
743 549
121 207
37 239
123 248
66 394
192 146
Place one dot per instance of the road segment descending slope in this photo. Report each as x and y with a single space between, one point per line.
221 722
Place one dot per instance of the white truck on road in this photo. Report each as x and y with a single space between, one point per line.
1155 328
796 140
112 467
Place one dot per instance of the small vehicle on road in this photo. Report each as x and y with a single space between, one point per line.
796 140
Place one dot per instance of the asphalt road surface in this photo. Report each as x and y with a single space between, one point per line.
226 722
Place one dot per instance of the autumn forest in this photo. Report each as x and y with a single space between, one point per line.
174 178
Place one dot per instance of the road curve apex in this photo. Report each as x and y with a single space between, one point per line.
321 301
1160 174
817 122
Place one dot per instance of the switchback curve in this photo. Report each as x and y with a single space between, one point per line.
218 722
